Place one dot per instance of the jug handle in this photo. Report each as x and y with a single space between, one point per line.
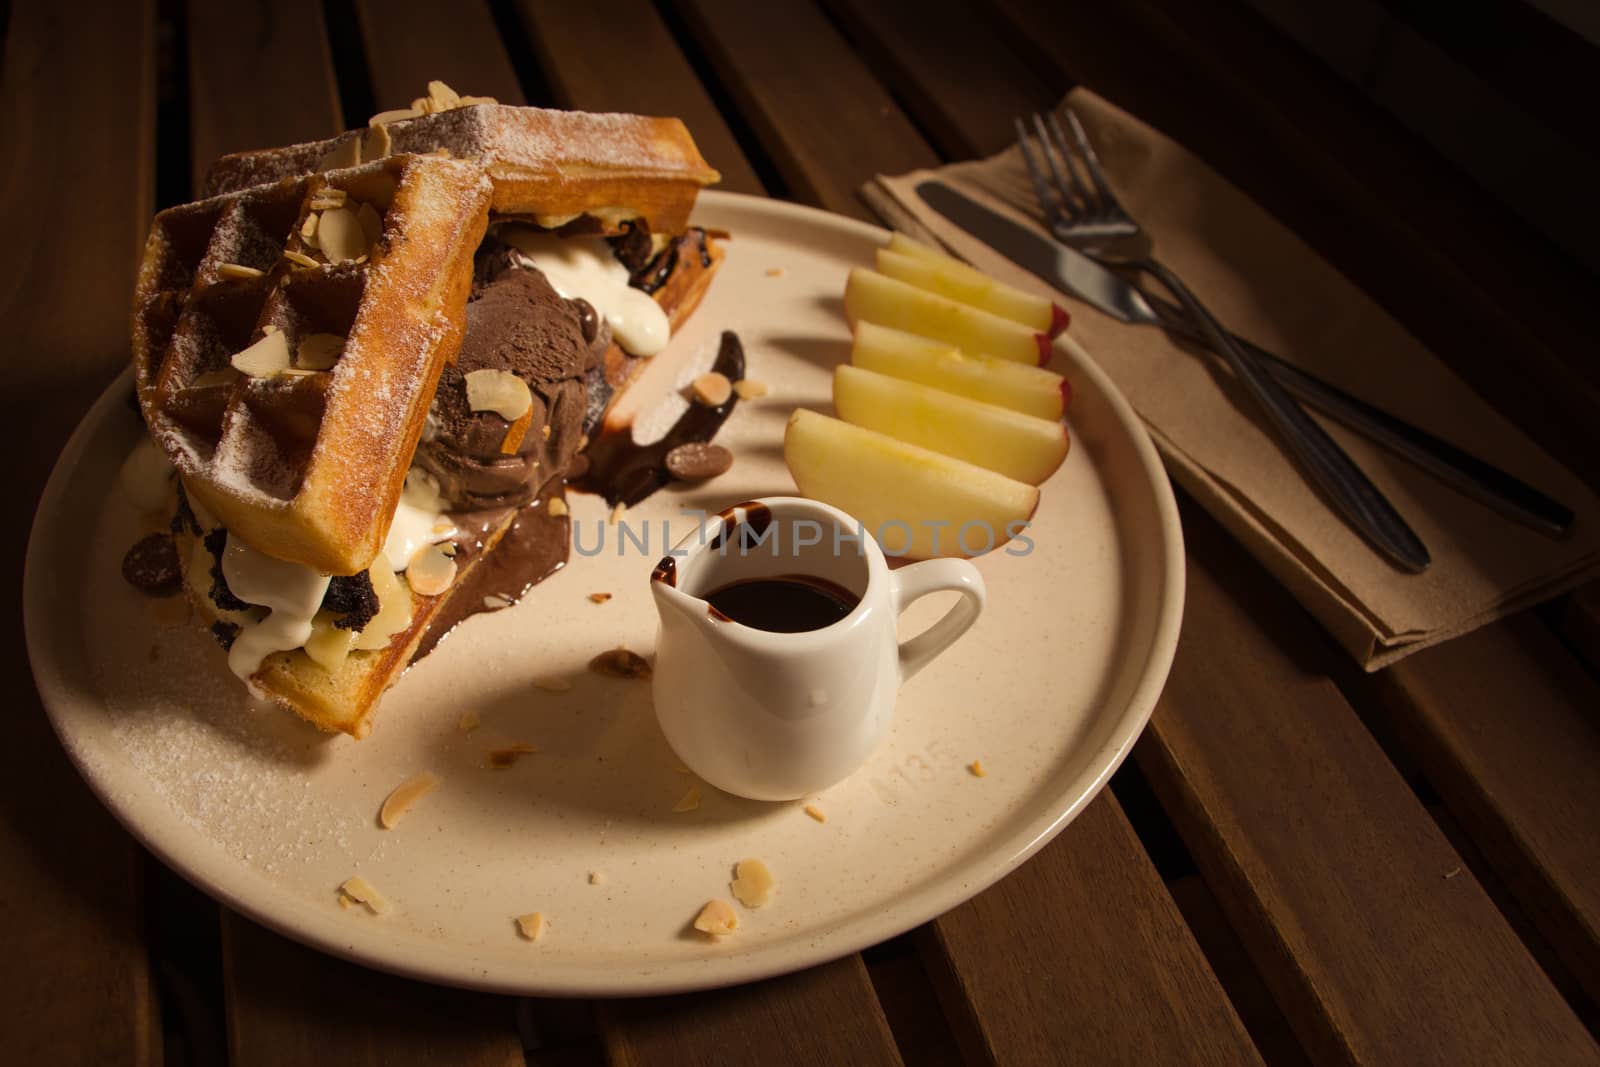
911 583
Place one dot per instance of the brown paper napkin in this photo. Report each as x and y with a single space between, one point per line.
1267 285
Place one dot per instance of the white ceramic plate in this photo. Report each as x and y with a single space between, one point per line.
1049 690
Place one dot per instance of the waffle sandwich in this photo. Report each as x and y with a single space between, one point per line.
322 610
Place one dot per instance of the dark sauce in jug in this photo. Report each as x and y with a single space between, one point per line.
786 604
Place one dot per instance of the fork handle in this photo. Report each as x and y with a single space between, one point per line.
1363 506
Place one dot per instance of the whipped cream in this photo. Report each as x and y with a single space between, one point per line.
583 267
291 593
418 520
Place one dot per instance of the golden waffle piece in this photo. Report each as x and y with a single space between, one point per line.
548 165
287 340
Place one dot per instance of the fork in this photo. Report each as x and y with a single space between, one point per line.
1088 217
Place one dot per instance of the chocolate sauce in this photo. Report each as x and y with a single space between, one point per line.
533 549
666 571
786 604
626 473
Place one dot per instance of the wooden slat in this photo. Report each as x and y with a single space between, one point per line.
1080 956
1471 280
949 67
274 55
814 106
592 66
1381 948
288 1005
411 42
77 106
1503 721
825 1015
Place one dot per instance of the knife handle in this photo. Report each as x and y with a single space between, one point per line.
1484 482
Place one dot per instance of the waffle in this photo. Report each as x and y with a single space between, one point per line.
306 464
344 700
555 167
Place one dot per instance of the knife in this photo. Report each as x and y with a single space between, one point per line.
1076 274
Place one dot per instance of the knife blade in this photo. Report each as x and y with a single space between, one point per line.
1077 275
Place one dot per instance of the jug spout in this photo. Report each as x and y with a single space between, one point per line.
673 604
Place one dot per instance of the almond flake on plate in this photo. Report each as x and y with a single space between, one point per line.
976 767
753 884
361 891
717 918
404 796
531 925
690 801
815 812
751 390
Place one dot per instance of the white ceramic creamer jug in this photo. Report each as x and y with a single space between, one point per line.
775 715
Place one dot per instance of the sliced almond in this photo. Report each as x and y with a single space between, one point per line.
495 602
472 101
751 390
712 389
501 758
753 884
516 432
620 663
617 512
690 801
266 357
717 918
498 391
404 796
299 259
596 878
431 571
318 351
815 812
399 114
977 769
347 153
422 105
329 197
340 235
531 925
557 506
238 270
599 598
376 143
361 891
371 223
308 228
444 98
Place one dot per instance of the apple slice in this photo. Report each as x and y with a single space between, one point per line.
1007 442
950 277
873 297
1030 390
917 503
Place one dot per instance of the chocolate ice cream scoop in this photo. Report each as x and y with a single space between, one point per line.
518 323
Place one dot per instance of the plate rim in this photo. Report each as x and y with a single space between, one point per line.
945 890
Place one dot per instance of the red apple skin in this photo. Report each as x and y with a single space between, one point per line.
1066 396
1059 320
1046 349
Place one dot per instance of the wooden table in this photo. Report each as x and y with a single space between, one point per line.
1302 862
